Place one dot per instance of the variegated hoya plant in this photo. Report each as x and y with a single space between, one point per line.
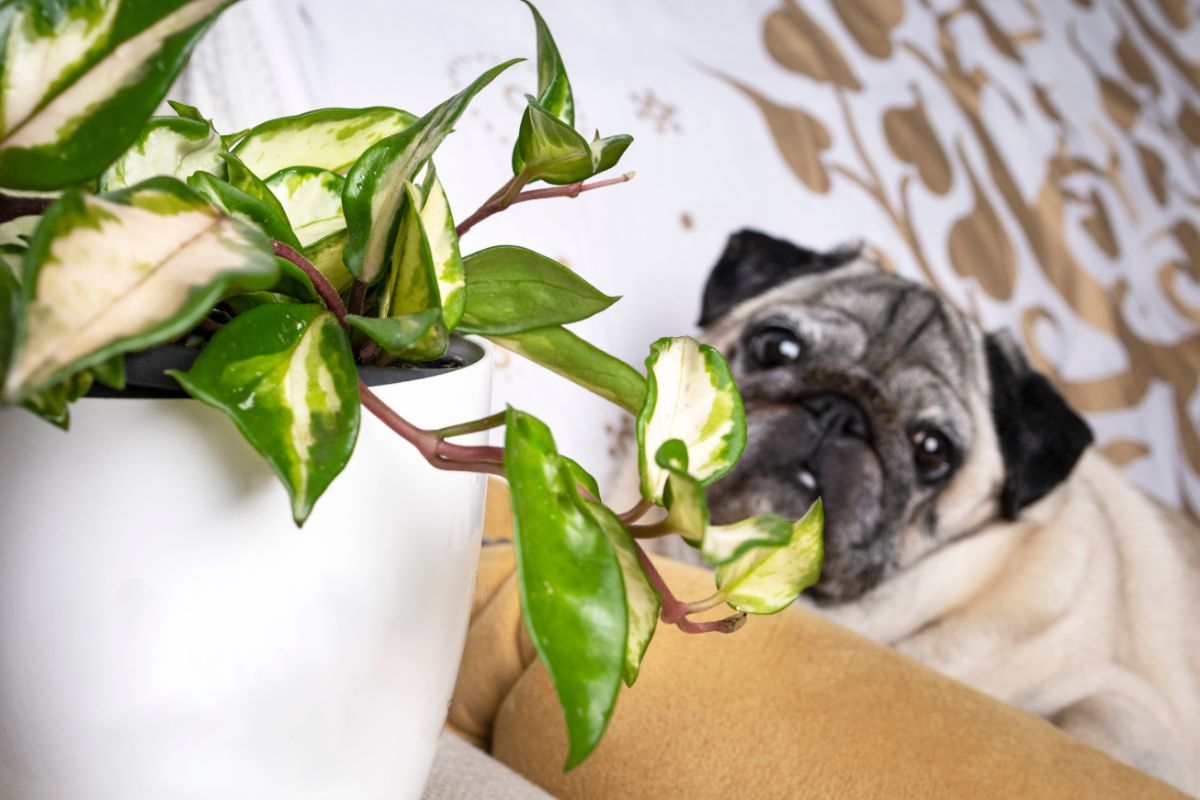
293 252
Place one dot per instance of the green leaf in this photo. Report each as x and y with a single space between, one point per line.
607 152
10 315
80 77
683 496
375 184
768 579
687 514
326 256
561 351
511 289
438 224
412 283
725 543
87 300
582 477
690 396
294 282
286 377
641 599
329 138
173 146
554 89
17 232
400 336
551 150
250 208
111 372
570 580
53 403
188 112
241 303
311 198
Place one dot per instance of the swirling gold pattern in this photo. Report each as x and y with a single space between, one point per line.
1091 235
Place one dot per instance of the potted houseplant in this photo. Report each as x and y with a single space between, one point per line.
167 631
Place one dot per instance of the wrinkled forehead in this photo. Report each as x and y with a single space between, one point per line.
905 335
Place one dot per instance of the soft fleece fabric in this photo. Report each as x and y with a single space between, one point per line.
791 706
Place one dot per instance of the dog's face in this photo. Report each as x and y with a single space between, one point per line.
874 393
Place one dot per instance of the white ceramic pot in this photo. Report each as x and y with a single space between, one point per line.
166 633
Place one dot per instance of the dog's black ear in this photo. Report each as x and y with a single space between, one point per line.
1041 438
754 262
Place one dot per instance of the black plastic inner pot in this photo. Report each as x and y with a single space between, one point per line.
145 372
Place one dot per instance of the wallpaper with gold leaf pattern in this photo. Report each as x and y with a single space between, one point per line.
1036 161
1102 214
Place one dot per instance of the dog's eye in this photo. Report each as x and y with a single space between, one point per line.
771 347
933 454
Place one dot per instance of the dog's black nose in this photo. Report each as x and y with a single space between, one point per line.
837 415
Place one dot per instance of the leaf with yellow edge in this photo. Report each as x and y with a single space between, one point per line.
690 396
286 377
765 580
86 301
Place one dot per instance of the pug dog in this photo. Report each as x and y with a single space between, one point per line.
970 524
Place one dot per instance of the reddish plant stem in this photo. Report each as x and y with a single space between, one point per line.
209 325
637 512
440 454
328 294
496 202
674 611
13 207
358 297
369 352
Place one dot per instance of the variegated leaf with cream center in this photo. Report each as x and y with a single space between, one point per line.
172 146
312 199
412 286
438 224
765 580
329 138
285 375
375 184
87 300
690 396
326 255
79 78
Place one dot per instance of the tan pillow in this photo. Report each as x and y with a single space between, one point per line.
791 706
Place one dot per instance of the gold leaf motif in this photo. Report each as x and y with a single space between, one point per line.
799 136
1099 226
1125 451
1134 63
979 246
1045 104
1189 123
913 141
1176 13
1167 275
996 35
870 22
799 44
1155 170
1188 237
1121 105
